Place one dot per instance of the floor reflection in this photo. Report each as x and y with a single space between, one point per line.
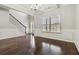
55 49
32 41
50 49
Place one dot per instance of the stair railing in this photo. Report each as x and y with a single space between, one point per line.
19 22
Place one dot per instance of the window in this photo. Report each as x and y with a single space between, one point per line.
51 24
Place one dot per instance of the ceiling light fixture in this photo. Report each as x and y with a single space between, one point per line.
35 6
58 5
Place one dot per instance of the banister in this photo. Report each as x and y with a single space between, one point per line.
17 20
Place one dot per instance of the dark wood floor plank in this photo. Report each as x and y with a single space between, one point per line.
43 46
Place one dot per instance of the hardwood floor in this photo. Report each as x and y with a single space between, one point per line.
58 47
43 46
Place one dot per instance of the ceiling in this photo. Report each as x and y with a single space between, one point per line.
30 8
41 8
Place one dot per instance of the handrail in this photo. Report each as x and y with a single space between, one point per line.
17 20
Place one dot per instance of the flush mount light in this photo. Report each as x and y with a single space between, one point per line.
36 6
58 5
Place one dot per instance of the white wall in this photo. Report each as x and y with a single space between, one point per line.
76 32
4 19
23 18
67 14
7 29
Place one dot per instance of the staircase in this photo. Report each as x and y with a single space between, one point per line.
10 26
17 23
19 20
